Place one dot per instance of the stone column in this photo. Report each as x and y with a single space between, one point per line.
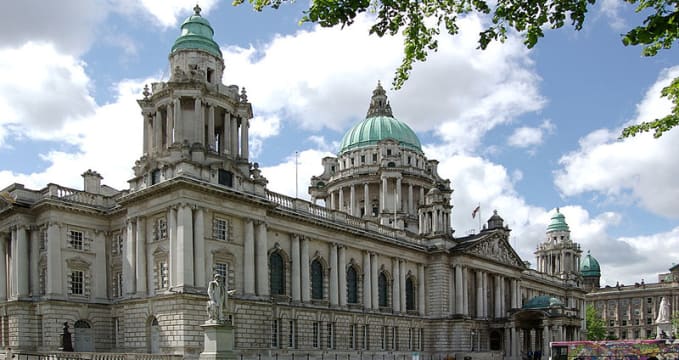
157 130
451 293
211 127
296 275
129 262
199 251
262 258
169 124
367 283
4 239
514 344
172 238
402 279
35 258
100 266
342 273
411 208
545 341
341 199
234 136
514 304
22 269
367 209
396 286
484 278
458 290
398 193
140 256
479 294
179 132
498 297
147 133
421 299
531 335
383 194
306 271
352 200
226 139
199 121
333 275
465 290
421 195
333 205
184 245
373 281
249 257
245 124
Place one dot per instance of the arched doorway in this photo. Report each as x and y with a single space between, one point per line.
153 336
83 335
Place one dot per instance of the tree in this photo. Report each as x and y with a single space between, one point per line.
596 330
675 323
421 21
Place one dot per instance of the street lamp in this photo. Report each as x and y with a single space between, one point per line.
473 338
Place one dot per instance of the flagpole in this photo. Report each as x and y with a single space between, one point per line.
479 217
296 175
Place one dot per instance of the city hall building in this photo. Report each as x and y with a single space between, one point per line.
369 267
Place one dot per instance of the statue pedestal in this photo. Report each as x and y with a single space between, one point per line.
666 327
218 342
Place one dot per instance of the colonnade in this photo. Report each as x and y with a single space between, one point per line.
388 201
210 124
460 297
555 262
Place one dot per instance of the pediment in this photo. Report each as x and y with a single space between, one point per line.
497 249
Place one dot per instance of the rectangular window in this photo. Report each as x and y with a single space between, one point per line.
43 240
77 283
222 269
352 336
374 157
163 277
330 335
364 337
649 300
225 178
394 338
160 229
611 323
362 159
75 239
421 339
624 323
292 335
649 321
410 338
383 338
316 334
636 334
275 333
219 229
117 284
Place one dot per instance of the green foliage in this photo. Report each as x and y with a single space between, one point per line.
421 21
596 329
675 322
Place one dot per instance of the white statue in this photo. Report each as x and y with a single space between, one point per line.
219 299
663 312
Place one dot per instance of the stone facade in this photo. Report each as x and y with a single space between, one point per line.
374 269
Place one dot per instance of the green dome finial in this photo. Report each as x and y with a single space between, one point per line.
379 125
197 35
558 223
589 266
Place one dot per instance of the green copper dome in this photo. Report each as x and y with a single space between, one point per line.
542 302
558 222
197 35
589 266
379 125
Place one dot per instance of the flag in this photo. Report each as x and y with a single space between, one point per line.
475 211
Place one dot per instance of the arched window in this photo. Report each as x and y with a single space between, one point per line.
382 290
316 280
410 294
277 279
352 286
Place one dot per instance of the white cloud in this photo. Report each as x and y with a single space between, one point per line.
611 10
282 177
262 127
525 136
41 90
460 92
167 12
629 169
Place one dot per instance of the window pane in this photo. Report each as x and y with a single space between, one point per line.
352 286
316 280
410 294
277 274
382 290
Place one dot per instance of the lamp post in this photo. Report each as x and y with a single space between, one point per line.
473 339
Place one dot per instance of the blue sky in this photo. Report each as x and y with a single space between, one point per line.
521 131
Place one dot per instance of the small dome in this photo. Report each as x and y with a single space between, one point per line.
589 266
379 125
542 302
558 223
197 35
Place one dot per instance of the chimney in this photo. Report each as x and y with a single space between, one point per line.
92 181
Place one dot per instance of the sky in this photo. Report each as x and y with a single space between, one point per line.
519 131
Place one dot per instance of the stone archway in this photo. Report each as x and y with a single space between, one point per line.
83 336
153 335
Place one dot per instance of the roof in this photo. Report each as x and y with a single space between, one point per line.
379 125
589 266
542 302
558 222
197 35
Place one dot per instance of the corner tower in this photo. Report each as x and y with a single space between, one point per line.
193 124
381 174
558 255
